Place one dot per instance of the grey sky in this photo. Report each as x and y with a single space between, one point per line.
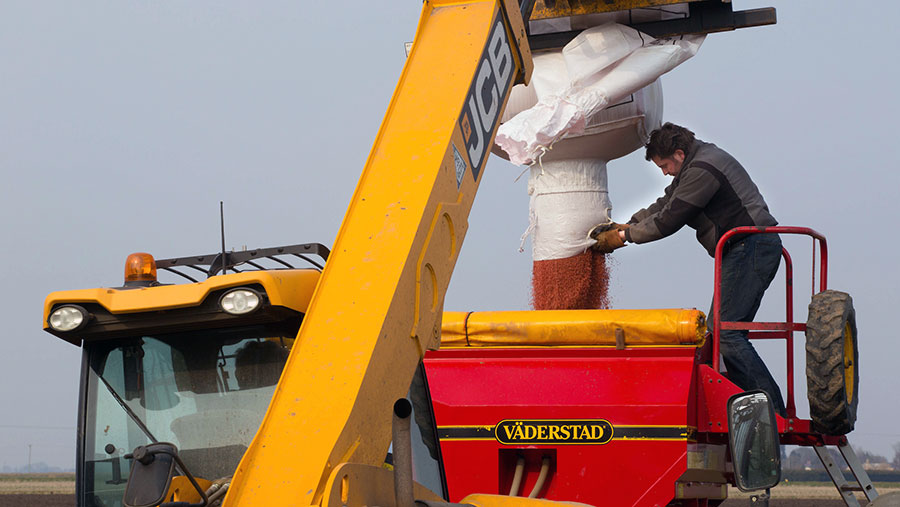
122 124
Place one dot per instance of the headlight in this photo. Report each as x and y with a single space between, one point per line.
240 301
68 318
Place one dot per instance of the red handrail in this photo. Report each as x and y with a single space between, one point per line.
771 330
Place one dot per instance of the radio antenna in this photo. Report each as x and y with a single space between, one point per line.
222 223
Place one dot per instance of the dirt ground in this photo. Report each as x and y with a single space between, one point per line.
805 495
37 490
37 500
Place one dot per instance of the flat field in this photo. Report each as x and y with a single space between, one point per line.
12 500
37 490
813 494
46 484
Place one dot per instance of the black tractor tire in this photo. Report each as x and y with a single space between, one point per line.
832 363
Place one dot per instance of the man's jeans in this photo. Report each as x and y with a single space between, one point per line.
748 268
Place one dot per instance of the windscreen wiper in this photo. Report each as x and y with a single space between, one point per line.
134 417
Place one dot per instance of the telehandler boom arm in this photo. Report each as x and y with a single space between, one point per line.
378 305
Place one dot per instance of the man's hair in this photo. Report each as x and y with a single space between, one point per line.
668 138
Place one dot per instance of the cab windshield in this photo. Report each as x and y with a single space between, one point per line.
204 391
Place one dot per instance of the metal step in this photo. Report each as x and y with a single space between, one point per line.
846 490
862 478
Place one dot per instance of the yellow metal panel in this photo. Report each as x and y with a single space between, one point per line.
555 328
290 288
379 303
515 501
563 8
181 489
355 485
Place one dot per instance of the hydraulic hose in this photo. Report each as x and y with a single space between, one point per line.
217 491
542 478
517 477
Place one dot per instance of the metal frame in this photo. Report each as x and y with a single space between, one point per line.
864 483
81 475
837 477
548 9
794 431
704 17
770 330
526 7
846 490
212 264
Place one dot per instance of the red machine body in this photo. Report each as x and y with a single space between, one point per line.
656 416
659 404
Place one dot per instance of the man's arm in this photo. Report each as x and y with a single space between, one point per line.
695 189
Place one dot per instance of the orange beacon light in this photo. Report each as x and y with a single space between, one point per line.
140 269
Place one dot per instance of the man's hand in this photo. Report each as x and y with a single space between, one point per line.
608 241
608 226
609 236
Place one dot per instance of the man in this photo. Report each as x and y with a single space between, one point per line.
712 194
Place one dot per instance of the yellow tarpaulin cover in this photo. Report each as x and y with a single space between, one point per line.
548 328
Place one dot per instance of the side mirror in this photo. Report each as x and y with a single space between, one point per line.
151 475
753 435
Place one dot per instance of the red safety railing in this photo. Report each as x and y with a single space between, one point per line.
771 330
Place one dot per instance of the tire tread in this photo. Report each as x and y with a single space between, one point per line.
831 413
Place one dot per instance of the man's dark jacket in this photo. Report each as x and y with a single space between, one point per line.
712 194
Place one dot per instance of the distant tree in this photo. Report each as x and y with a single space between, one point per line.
896 460
837 458
866 456
803 457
